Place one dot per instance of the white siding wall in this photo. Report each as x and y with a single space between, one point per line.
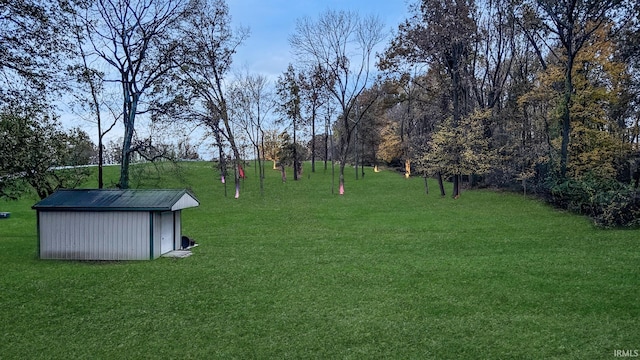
186 201
94 235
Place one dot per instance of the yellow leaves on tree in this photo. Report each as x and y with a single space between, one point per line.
390 148
460 150
596 140
270 146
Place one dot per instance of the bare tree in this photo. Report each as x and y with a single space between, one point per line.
92 80
342 44
199 92
252 101
137 39
493 52
313 96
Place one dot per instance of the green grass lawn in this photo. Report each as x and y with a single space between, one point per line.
385 271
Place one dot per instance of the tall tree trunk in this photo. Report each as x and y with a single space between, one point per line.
295 153
407 168
260 175
326 146
362 159
456 186
426 184
333 164
222 164
261 160
130 108
636 133
313 140
341 179
566 119
124 164
234 149
355 150
441 184
374 156
454 63
100 163
403 142
94 103
344 147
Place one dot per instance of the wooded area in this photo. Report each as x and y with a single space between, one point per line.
532 95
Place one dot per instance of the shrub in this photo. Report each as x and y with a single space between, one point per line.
619 208
608 202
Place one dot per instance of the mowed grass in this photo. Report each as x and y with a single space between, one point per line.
385 271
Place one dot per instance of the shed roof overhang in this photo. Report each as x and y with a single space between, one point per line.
118 200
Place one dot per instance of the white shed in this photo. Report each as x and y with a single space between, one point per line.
111 224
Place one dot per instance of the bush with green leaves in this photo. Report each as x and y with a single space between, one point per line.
619 208
608 202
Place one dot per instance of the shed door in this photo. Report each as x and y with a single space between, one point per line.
166 232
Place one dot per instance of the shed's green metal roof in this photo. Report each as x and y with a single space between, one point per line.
118 200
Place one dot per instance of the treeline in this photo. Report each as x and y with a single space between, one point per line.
539 96
108 63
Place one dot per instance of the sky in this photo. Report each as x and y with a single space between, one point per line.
272 22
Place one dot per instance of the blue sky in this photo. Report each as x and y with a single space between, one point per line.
271 22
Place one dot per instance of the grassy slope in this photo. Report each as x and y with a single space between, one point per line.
384 271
